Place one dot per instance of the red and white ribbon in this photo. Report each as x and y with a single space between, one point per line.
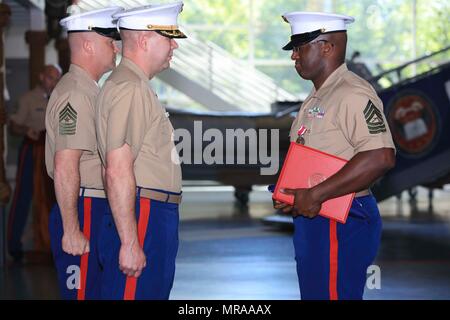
302 131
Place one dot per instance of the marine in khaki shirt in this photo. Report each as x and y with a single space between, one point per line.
29 119
129 112
31 109
70 125
342 116
33 186
142 172
72 158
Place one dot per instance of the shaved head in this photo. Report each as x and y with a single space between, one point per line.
93 52
149 50
339 40
77 40
130 39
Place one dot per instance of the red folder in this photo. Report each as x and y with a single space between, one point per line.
306 167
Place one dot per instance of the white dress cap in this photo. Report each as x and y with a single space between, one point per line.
99 21
162 18
85 21
306 26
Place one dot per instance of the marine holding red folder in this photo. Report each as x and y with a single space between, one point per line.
305 167
344 145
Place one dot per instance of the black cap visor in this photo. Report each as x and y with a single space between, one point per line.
304 38
106 32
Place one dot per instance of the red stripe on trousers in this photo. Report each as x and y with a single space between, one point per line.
334 246
17 190
85 257
144 215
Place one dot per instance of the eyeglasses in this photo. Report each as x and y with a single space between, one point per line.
297 48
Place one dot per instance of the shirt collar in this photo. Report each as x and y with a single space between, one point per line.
135 68
331 81
80 73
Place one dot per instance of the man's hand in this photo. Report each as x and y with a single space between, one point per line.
132 259
75 243
67 186
121 189
32 134
286 208
305 202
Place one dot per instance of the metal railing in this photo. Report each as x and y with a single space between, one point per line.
423 64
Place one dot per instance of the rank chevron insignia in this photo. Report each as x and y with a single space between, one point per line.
374 119
67 121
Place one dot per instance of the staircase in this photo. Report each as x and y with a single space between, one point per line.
213 77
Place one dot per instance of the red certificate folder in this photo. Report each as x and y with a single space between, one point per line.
306 167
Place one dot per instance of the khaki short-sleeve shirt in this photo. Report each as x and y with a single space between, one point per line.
70 124
31 109
128 111
344 117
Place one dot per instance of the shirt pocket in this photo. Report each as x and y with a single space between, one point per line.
164 133
328 137
324 138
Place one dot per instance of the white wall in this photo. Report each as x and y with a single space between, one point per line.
17 48
22 20
15 45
